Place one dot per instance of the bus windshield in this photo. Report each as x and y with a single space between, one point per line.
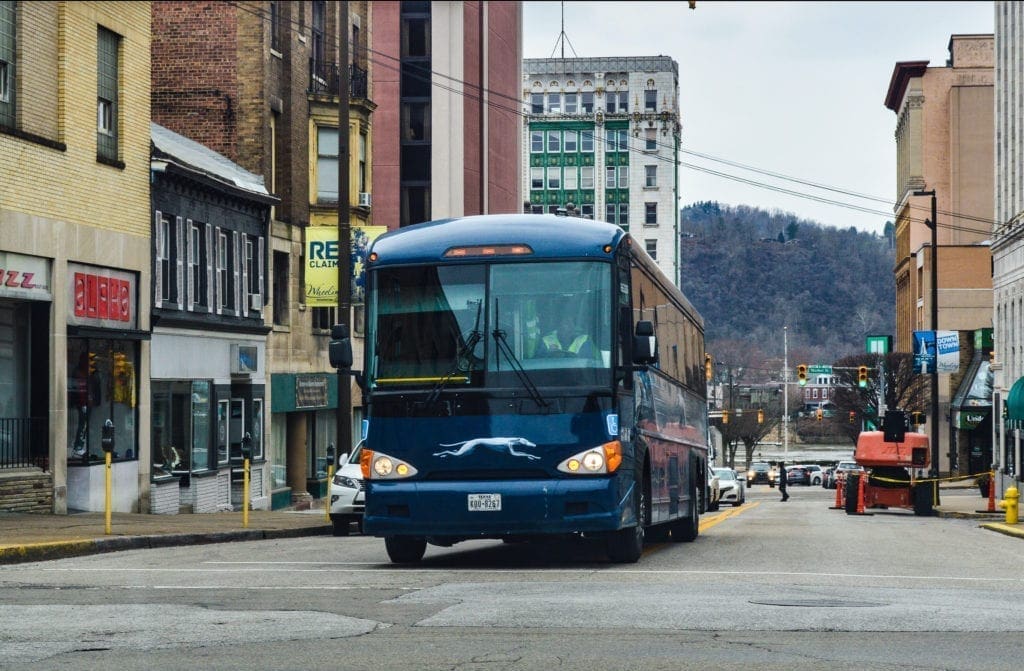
471 325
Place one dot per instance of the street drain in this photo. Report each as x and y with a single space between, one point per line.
819 603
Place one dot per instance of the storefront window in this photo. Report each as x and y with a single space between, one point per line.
101 386
181 426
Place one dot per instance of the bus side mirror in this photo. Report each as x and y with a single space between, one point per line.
645 344
340 348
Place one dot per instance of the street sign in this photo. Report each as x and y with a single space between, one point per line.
878 344
819 370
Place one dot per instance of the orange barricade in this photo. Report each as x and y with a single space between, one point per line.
991 491
860 492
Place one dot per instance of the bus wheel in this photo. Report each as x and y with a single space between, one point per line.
686 529
405 549
626 545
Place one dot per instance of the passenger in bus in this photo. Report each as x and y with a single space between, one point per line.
568 340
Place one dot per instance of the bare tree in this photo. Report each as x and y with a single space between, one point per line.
905 389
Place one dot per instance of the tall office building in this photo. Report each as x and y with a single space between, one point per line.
601 138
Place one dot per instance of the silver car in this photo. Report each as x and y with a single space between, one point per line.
732 487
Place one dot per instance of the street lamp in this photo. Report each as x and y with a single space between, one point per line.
930 223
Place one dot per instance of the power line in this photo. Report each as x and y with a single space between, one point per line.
492 101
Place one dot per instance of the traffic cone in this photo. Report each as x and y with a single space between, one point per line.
860 492
991 493
839 499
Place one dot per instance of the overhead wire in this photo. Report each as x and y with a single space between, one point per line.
476 93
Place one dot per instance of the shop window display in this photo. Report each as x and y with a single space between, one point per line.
101 385
181 427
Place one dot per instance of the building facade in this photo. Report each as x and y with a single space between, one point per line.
601 139
1008 242
258 82
211 222
446 129
74 249
944 142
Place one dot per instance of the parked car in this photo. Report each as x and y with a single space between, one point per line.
826 476
761 473
842 468
348 494
796 474
714 492
732 486
814 474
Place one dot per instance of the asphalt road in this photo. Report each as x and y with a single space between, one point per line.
770 585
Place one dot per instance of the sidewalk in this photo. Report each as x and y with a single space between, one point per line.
967 503
32 537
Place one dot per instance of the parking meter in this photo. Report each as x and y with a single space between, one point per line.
107 441
247 446
330 454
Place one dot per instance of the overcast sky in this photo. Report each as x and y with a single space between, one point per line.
793 88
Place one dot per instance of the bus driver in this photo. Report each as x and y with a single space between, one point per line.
568 340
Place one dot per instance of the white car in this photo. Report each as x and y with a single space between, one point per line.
732 488
714 492
348 494
814 474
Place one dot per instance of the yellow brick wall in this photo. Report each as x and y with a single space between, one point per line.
71 186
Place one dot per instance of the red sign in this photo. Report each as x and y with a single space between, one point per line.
102 297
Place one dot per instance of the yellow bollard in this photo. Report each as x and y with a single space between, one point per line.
327 496
1011 504
106 496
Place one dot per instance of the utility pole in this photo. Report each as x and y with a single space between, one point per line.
344 414
785 392
931 223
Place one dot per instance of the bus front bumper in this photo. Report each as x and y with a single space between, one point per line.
531 507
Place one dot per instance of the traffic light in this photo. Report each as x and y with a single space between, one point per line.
707 366
760 416
820 414
862 376
853 417
801 374
725 417
93 359
918 418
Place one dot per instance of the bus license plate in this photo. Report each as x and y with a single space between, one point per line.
485 502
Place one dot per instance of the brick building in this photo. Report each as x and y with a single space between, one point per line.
258 82
75 250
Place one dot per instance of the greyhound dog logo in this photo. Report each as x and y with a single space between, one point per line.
497 444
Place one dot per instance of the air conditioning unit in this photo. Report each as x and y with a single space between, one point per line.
255 302
364 199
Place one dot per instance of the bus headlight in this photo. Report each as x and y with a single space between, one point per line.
595 461
379 466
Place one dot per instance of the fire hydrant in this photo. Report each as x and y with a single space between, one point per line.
1011 504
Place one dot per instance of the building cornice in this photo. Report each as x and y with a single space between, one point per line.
901 75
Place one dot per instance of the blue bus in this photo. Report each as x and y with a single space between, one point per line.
528 376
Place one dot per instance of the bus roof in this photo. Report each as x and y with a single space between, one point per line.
547 235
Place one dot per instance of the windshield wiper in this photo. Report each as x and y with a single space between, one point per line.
517 367
462 360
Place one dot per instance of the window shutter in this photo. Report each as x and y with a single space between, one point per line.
211 263
259 274
243 307
158 275
179 257
221 296
192 251
237 288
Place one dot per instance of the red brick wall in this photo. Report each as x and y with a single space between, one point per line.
473 110
200 103
505 122
384 37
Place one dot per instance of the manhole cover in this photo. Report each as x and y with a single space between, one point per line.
818 603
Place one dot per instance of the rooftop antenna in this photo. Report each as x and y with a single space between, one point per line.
563 38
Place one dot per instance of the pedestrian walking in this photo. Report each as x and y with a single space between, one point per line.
782 481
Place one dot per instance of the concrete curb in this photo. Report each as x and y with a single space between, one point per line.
32 552
1006 529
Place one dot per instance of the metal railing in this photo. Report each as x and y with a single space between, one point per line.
323 79
23 442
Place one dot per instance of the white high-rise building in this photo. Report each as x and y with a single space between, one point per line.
602 138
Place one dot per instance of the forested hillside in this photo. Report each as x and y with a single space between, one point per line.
752 272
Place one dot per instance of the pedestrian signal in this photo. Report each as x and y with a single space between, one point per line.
801 374
862 376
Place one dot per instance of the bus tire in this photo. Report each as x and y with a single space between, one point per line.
850 493
405 549
626 545
686 529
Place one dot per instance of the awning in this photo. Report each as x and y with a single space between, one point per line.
972 401
1015 402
